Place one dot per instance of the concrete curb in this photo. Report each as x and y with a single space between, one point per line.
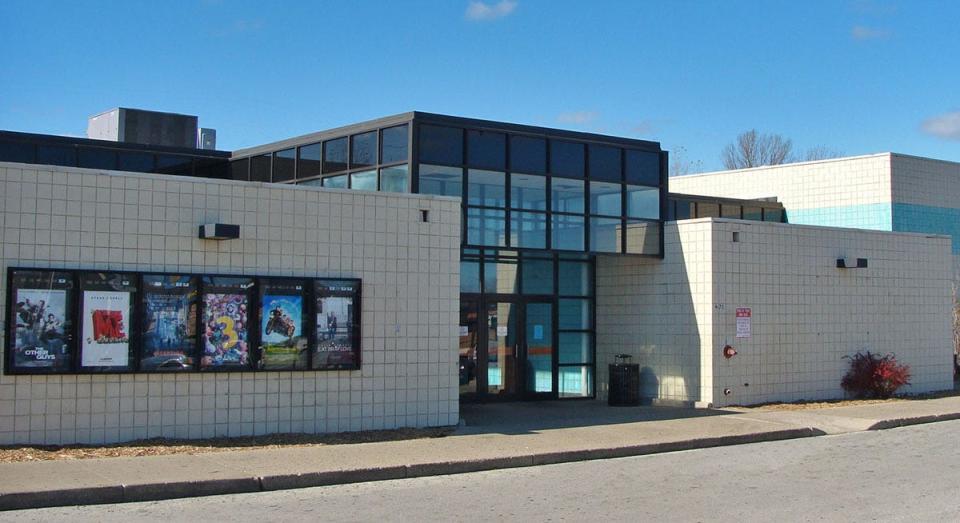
919 420
214 487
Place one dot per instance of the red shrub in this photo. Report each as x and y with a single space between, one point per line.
874 376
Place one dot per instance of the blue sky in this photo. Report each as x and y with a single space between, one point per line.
859 76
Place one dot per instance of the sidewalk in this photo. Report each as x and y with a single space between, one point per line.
495 436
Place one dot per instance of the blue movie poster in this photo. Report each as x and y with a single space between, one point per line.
281 332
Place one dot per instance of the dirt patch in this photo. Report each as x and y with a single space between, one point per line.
162 447
829 404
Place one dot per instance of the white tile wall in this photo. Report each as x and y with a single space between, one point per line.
841 182
926 181
87 219
807 314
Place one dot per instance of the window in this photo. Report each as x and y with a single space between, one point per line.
443 181
180 165
487 188
575 347
335 155
143 162
394 179
239 169
574 278
284 163
336 182
57 155
394 141
528 155
528 191
605 198
567 195
486 227
753 213
310 164
364 181
443 145
260 168
684 210
730 211
97 158
773 215
469 276
566 158
574 314
17 152
605 163
708 210
363 149
643 202
528 230
643 168
643 237
605 234
486 150
537 276
500 277
568 232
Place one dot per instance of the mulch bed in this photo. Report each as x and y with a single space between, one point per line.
162 446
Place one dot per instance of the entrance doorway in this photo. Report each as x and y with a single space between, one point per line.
507 349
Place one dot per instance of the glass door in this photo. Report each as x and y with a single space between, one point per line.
501 363
538 350
469 343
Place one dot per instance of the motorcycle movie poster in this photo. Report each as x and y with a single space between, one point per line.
41 320
337 340
225 329
106 329
169 323
283 343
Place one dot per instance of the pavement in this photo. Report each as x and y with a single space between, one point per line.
492 437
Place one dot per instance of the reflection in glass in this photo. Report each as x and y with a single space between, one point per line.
143 163
95 158
468 347
753 213
501 348
537 276
539 338
643 202
575 347
259 168
394 179
568 232
310 164
567 195
486 227
643 237
773 215
335 155
605 198
394 144
574 278
574 314
728 211
56 155
440 180
283 164
528 192
575 381
336 182
500 277
528 230
486 188
363 149
469 276
364 181
604 234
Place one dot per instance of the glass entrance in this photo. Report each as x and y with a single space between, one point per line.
519 357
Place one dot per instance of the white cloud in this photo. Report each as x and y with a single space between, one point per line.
577 117
946 125
480 11
862 32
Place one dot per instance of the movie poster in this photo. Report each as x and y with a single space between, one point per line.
226 323
106 328
337 325
169 322
282 340
41 321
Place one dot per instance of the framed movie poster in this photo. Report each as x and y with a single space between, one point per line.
337 336
169 322
106 304
225 328
40 333
283 340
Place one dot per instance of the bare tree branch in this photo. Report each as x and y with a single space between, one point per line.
681 164
753 149
820 152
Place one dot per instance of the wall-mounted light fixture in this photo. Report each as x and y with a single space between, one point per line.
861 264
219 231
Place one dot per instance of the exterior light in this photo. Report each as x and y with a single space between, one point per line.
861 264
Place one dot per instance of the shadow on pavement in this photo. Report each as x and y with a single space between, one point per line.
526 417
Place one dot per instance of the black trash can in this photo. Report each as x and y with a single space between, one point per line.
624 382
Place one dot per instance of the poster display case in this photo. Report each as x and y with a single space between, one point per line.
106 312
40 336
169 322
226 323
283 340
337 309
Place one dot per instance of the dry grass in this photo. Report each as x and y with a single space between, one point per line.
162 447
